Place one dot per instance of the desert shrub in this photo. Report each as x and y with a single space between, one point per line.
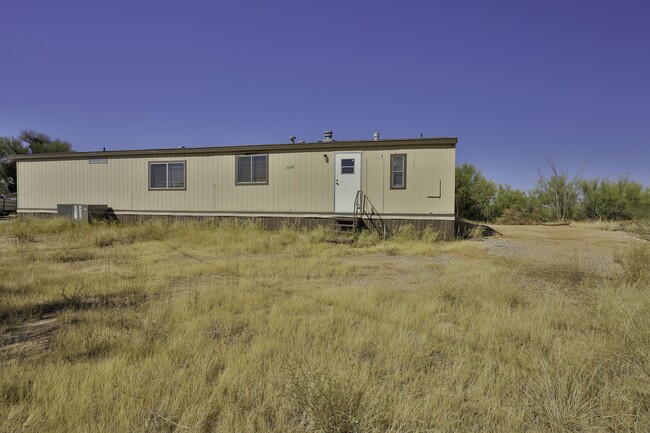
23 233
476 233
605 199
405 232
557 193
640 228
508 199
474 194
635 262
431 235
288 234
367 238
319 234
331 404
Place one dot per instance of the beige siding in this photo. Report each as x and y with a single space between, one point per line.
298 182
430 173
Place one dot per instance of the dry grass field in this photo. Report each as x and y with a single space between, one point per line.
200 327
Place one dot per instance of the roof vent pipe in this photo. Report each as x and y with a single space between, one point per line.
328 135
375 136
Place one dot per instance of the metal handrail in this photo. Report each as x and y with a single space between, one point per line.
361 206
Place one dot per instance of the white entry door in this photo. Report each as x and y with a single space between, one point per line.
347 181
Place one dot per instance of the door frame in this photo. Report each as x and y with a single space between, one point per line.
360 173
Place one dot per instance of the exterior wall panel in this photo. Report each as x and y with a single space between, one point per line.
298 182
430 181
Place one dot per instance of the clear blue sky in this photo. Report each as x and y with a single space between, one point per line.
515 81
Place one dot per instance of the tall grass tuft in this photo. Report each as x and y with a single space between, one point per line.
329 404
641 228
565 400
635 263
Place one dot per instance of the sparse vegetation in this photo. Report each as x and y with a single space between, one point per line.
556 197
635 262
206 327
640 228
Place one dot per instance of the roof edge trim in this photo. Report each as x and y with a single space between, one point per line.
261 148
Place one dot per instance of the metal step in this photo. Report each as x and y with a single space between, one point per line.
344 224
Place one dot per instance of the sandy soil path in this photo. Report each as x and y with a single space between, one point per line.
557 243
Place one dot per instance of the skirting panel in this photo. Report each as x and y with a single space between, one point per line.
446 228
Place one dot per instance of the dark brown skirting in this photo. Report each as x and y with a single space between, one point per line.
447 229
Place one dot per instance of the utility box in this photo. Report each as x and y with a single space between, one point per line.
75 212
85 212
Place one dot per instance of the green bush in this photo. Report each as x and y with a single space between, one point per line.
557 193
474 194
608 200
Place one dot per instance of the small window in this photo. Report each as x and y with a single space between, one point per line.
398 171
347 166
253 169
167 175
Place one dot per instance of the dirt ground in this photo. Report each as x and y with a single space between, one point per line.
27 339
561 242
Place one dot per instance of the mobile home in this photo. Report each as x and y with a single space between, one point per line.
406 181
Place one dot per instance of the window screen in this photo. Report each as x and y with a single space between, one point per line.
176 175
167 175
398 171
252 169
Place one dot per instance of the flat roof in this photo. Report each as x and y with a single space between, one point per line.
335 145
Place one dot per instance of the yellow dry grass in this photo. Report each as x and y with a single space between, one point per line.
230 328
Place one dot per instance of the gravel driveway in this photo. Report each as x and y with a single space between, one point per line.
559 243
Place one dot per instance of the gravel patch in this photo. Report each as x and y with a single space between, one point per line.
597 261
504 247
